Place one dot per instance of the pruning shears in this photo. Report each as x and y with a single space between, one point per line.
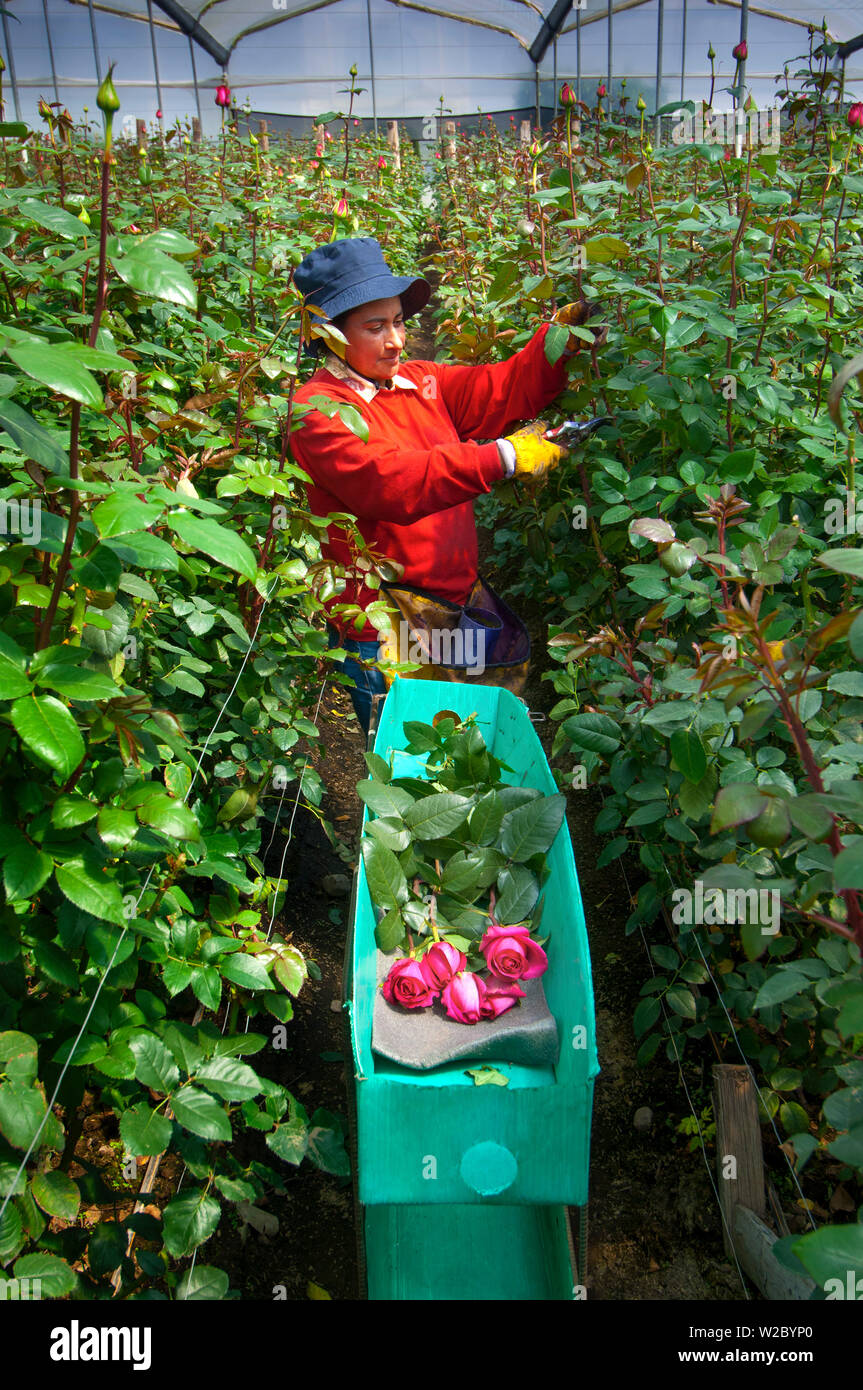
573 432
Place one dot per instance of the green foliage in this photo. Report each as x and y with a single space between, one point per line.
465 848
160 639
699 560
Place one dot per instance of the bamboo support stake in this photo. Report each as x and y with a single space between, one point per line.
263 137
524 134
196 130
393 143
141 134
449 139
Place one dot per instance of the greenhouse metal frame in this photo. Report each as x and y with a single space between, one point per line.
509 53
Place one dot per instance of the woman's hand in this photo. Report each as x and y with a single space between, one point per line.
535 455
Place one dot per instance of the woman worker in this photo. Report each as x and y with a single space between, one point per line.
411 485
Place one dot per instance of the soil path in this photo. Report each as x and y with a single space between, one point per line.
654 1229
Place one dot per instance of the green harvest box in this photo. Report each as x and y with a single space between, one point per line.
434 1136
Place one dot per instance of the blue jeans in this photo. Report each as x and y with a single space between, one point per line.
367 682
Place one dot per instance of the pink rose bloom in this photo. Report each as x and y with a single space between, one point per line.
463 997
406 985
497 1001
512 954
440 963
855 114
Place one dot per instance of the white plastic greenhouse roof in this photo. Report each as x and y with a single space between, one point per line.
292 56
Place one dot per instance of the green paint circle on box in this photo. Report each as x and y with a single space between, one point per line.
489 1169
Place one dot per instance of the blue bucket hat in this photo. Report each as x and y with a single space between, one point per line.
342 275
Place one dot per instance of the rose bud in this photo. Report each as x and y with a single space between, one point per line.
223 95
497 1001
512 954
601 90
567 95
711 52
440 963
341 208
106 97
855 114
382 163
641 103
740 51
463 997
158 115
406 985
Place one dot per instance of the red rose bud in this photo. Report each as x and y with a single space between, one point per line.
382 164
601 91
341 208
512 954
406 985
567 95
223 95
158 115
855 115
440 963
463 998
497 1001
740 51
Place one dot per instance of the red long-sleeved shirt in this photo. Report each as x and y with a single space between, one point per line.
411 486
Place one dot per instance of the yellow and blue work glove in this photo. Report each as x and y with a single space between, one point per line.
528 453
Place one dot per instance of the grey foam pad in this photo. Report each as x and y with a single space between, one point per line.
426 1038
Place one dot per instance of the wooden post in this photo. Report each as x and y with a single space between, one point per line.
319 133
141 134
754 1242
449 139
263 137
196 130
393 143
524 133
738 1146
